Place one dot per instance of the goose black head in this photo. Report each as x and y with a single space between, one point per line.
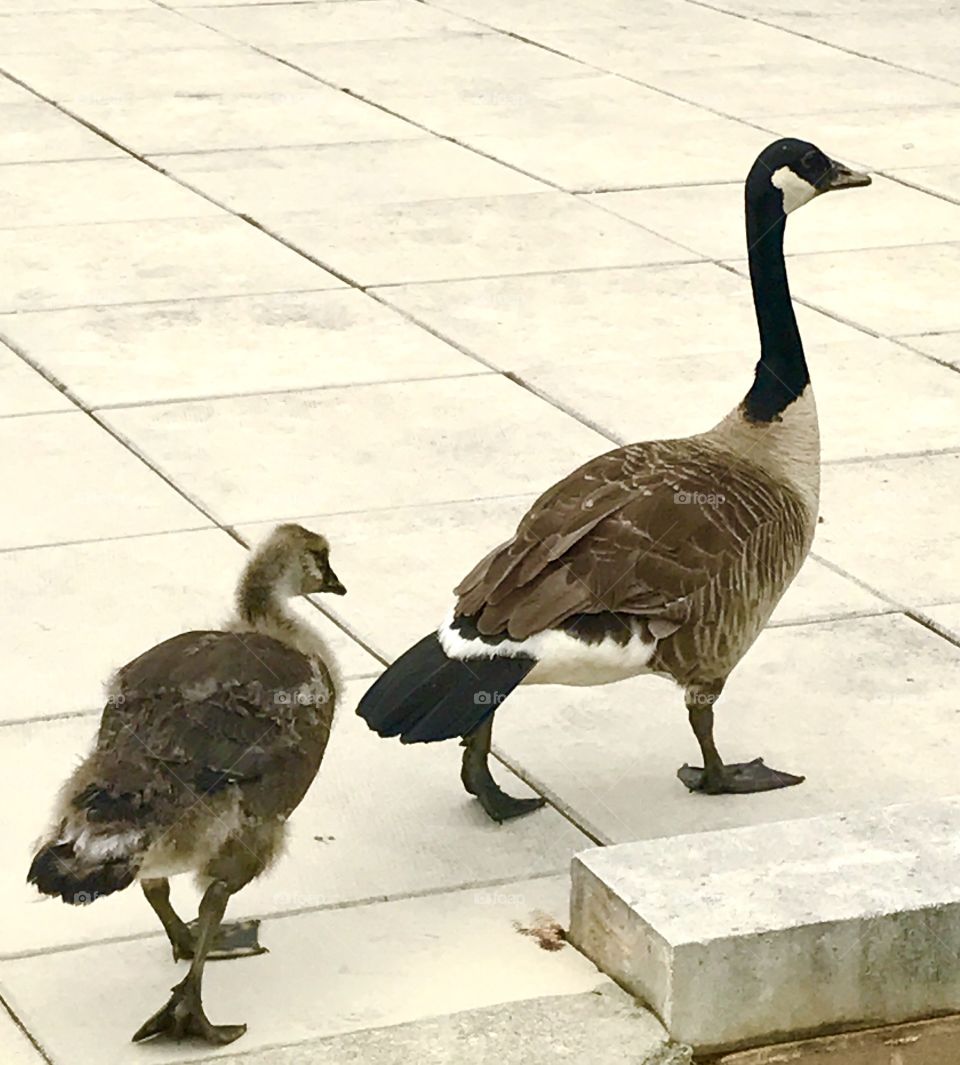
304 559
794 172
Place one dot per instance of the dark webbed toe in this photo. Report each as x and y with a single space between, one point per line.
238 939
737 778
183 1017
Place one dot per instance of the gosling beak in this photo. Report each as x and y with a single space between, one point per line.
333 585
842 177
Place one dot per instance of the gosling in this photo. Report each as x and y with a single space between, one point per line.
207 743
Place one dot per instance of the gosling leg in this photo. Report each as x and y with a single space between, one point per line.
239 939
183 1014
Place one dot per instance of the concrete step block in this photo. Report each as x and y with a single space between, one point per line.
755 935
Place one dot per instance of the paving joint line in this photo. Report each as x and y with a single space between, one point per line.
945 363
914 614
129 445
827 44
514 378
24 1030
173 401
274 915
514 35
892 456
68 307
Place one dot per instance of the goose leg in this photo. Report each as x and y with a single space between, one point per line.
236 940
717 778
183 1014
478 780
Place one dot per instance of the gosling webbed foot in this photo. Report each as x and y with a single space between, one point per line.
238 939
737 778
183 1017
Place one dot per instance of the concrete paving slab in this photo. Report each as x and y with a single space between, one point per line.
379 822
683 340
12 93
24 391
909 291
269 457
947 617
710 36
100 190
846 82
34 132
852 919
172 123
272 25
36 6
602 1027
524 16
126 262
914 559
66 479
157 586
66 31
266 182
603 159
943 346
15 1047
186 349
838 701
928 47
403 565
448 239
941 180
588 131
466 62
72 77
880 137
710 218
375 965
779 9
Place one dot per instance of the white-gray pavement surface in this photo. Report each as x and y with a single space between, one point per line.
390 268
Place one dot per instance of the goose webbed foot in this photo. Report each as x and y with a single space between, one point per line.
239 939
718 778
737 778
183 1017
478 780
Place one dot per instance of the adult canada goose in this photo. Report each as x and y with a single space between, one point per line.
207 742
663 557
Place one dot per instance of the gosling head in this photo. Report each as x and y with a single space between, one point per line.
791 172
299 561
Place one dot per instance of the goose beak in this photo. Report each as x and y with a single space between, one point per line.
842 177
333 585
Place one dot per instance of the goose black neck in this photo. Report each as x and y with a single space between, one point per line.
781 374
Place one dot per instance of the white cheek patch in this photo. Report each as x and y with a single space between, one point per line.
796 191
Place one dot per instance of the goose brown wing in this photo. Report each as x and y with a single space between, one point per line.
636 531
205 710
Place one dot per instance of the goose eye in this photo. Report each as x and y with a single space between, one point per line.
809 161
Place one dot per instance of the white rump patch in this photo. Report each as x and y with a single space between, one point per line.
100 846
561 658
796 191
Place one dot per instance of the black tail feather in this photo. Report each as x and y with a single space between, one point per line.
57 870
426 696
